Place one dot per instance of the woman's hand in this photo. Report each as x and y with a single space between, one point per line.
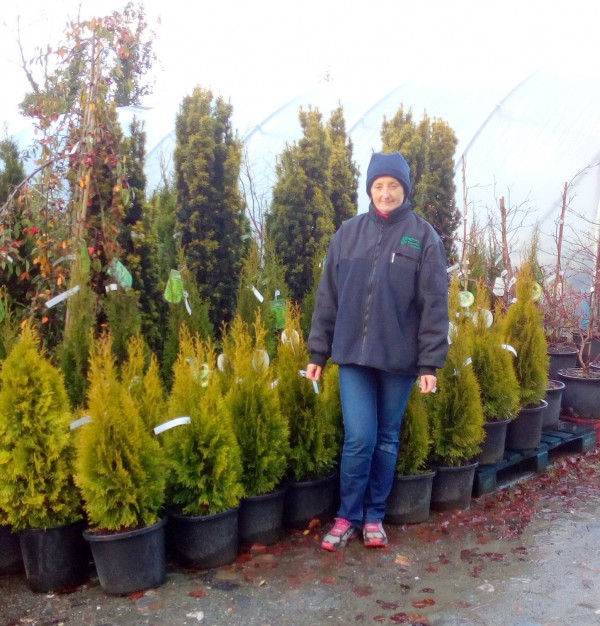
428 383
313 372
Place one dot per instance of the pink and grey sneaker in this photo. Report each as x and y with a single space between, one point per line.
373 535
340 534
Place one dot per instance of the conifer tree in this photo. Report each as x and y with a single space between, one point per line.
524 331
457 414
344 172
36 446
120 465
429 147
302 212
211 215
261 429
204 459
139 247
415 438
313 442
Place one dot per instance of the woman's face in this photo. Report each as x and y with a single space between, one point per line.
387 194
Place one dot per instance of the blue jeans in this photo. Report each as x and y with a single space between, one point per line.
373 405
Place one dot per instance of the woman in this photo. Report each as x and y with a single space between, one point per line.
382 315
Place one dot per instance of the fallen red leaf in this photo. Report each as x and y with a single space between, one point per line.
363 591
197 593
421 604
389 606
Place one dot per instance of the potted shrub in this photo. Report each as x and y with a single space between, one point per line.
494 369
523 330
410 498
121 475
261 430
314 429
457 417
38 496
204 462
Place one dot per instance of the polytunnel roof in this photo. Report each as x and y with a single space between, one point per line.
521 138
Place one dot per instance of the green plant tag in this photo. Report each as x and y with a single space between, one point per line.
174 289
121 274
278 309
466 299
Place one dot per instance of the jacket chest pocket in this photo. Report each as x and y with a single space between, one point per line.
402 275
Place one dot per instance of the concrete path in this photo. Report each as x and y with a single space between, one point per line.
526 555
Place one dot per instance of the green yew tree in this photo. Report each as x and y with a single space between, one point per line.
344 172
261 429
205 468
302 212
139 246
211 211
120 465
429 147
36 446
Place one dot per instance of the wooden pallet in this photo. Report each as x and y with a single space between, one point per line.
568 437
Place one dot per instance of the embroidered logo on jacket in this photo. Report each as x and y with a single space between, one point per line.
411 241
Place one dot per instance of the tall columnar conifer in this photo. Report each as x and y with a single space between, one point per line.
429 147
415 437
211 211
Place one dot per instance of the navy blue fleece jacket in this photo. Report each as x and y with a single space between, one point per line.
382 300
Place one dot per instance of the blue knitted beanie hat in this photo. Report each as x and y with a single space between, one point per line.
391 164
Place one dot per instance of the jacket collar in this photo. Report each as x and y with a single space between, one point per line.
397 215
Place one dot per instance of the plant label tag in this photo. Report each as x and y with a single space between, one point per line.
63 296
509 348
111 287
257 294
177 421
186 300
86 419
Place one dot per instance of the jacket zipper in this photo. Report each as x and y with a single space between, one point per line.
370 291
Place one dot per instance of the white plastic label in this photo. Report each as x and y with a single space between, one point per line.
86 419
257 294
509 348
63 296
177 421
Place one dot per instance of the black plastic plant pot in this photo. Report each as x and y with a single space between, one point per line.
310 499
525 430
493 446
452 487
581 395
56 558
261 518
11 560
409 501
130 561
554 399
205 541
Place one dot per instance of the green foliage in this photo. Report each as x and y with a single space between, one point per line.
344 171
314 448
122 309
302 212
205 468
415 438
429 147
120 465
493 366
329 407
457 414
523 330
198 323
261 429
211 212
36 448
74 350
9 326
140 374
